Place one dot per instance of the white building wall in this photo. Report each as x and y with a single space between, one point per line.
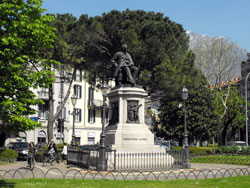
83 129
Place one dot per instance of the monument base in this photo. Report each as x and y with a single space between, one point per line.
131 138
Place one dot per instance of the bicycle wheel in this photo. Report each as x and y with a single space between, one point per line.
44 160
51 160
32 163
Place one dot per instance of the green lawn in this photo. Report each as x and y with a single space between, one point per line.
238 181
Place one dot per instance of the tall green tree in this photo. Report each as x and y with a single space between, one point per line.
234 115
24 31
158 46
201 117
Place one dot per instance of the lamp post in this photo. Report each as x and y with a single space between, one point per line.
246 109
102 166
185 159
73 141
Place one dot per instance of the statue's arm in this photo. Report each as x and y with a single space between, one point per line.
131 62
113 60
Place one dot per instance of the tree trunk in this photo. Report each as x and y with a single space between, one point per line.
65 98
51 113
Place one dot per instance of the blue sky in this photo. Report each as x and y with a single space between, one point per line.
228 18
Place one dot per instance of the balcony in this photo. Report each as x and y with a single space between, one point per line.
44 95
95 104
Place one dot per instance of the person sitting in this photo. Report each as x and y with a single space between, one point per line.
125 70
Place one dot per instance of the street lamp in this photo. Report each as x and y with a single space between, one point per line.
185 159
102 166
246 109
73 141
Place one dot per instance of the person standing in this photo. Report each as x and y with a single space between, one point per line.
52 149
64 151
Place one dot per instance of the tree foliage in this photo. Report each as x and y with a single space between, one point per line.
24 31
201 117
234 116
158 46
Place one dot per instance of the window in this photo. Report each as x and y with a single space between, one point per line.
91 138
78 91
91 95
63 114
78 115
41 137
43 111
92 79
91 118
78 75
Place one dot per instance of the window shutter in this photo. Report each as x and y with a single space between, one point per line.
80 74
39 111
80 115
80 88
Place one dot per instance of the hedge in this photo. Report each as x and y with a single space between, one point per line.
199 150
216 150
8 154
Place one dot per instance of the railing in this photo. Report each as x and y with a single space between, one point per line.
127 161
124 161
95 103
84 158
43 95
57 173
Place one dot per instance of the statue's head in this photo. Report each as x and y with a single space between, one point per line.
124 47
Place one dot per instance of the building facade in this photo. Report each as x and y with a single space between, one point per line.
88 116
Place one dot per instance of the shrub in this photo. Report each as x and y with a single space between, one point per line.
246 150
8 153
177 148
39 156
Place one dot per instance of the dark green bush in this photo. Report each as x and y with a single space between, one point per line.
246 150
8 153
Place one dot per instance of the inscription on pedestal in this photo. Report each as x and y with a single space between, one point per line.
134 138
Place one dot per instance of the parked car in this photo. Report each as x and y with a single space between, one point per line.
239 144
21 148
89 147
164 144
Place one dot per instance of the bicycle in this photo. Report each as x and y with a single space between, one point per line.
31 161
48 158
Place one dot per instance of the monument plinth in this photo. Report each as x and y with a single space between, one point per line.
127 130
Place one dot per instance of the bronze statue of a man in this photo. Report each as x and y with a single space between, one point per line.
125 70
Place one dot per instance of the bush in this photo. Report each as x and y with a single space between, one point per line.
39 156
8 153
246 150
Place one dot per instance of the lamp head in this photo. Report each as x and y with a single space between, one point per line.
104 88
73 99
184 93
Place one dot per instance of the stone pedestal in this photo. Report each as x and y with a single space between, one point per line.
126 130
